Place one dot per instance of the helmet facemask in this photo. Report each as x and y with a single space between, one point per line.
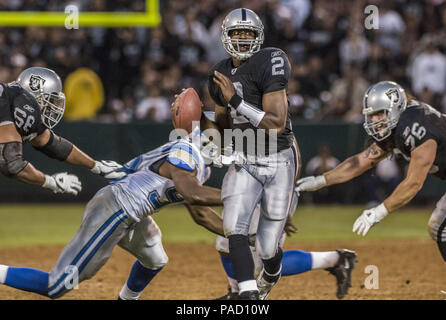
235 46
380 129
242 19
52 108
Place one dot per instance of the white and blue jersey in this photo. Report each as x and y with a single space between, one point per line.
110 216
143 192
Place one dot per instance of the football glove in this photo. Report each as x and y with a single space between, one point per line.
63 183
369 218
108 169
311 183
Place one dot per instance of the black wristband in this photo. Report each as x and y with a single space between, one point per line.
235 101
57 147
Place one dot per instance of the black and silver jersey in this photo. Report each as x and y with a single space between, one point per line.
19 107
417 124
266 71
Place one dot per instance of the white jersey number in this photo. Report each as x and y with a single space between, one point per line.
278 64
23 120
171 194
417 132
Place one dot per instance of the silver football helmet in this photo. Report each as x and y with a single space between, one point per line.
242 19
45 85
388 97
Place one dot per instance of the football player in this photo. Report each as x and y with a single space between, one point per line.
397 124
250 94
120 214
340 263
29 109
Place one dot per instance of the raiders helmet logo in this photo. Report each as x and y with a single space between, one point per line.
393 95
35 82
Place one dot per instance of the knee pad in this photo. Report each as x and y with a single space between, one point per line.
153 257
222 244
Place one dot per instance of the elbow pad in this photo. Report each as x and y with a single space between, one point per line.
11 158
57 148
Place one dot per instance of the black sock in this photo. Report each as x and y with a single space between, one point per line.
272 266
241 257
442 247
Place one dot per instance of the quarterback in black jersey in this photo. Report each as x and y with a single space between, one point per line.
250 94
29 108
410 128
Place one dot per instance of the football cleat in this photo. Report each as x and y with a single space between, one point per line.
229 296
343 271
265 285
249 295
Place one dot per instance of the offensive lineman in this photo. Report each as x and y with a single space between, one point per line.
29 108
250 94
120 214
403 126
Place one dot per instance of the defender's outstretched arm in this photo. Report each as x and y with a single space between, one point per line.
349 169
187 184
206 217
355 165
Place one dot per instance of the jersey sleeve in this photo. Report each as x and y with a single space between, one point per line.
183 156
275 71
416 130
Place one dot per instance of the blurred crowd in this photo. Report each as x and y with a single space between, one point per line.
133 73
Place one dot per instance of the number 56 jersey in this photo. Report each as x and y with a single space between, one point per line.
143 191
19 107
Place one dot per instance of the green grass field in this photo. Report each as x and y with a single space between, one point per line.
49 224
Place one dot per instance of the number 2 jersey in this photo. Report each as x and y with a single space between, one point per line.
19 107
266 71
417 124
143 191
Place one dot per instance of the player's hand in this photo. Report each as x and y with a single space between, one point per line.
311 183
108 169
369 218
218 162
176 98
289 228
226 86
63 183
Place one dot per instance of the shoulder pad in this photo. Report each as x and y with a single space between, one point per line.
266 54
183 156
217 66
